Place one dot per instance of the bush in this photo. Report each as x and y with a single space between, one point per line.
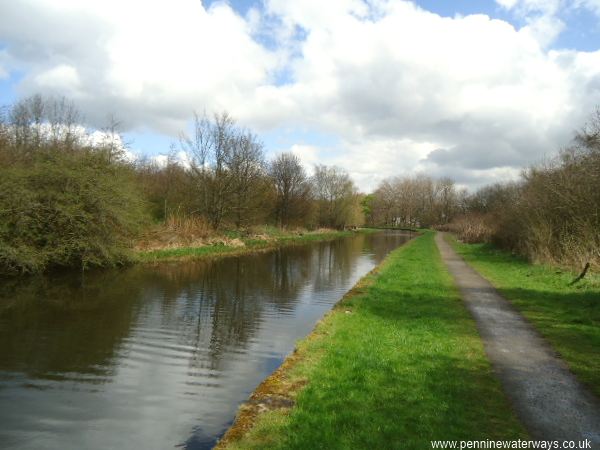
472 228
66 209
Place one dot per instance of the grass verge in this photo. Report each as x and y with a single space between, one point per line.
397 363
242 245
567 316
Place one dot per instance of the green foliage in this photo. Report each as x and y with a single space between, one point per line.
66 209
568 316
403 367
366 205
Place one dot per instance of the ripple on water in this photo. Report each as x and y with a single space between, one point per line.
152 357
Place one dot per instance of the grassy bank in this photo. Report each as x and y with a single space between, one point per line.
234 243
567 316
396 364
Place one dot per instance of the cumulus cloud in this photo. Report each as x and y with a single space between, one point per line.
478 93
403 89
152 62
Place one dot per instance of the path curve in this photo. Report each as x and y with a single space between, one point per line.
550 401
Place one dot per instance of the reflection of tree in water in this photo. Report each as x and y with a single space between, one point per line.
54 324
333 261
291 270
50 325
380 244
222 309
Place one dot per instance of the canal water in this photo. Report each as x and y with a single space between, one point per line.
161 357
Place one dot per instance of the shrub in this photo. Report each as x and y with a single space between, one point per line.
472 228
66 209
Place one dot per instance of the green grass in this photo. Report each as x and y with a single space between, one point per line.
406 366
275 238
567 316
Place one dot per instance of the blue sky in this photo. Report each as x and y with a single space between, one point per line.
379 87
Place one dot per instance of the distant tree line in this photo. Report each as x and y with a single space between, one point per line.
552 214
414 201
69 199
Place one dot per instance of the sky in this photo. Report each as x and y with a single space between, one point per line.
474 90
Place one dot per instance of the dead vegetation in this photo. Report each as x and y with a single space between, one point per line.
176 232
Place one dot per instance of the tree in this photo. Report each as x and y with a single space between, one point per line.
415 201
292 189
227 171
367 203
247 169
337 198
208 150
166 186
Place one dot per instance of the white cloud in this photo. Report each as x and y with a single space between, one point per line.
179 157
314 14
489 94
151 62
62 78
549 7
309 156
402 88
543 16
508 4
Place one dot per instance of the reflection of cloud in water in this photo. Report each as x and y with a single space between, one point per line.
149 356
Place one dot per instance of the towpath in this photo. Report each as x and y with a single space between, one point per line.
550 401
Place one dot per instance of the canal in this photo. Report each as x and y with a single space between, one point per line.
157 357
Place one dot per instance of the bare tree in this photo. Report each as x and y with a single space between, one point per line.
227 168
247 171
112 141
36 121
337 197
207 151
415 201
291 186
447 203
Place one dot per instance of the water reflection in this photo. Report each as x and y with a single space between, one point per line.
152 357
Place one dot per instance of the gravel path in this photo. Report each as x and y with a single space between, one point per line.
550 401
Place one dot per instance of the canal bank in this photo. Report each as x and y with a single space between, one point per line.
397 363
235 244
